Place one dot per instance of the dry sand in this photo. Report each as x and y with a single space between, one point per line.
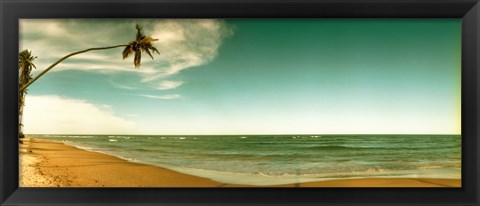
45 163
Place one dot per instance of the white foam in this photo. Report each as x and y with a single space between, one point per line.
120 137
241 178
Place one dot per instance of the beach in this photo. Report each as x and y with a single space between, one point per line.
47 163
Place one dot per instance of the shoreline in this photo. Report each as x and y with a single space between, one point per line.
46 163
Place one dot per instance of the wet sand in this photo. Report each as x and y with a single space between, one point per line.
45 163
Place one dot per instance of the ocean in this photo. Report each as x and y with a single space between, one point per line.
284 159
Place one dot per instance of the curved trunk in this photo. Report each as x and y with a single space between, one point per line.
63 58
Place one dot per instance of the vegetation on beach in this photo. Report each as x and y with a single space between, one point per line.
25 66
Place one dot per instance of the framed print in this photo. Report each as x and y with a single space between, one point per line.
348 104
236 103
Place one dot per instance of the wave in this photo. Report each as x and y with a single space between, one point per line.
341 147
120 137
336 147
69 136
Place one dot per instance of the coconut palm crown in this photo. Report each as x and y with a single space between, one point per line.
141 44
25 65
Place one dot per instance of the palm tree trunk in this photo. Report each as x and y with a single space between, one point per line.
23 74
21 104
63 58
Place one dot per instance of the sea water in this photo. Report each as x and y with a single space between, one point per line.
283 159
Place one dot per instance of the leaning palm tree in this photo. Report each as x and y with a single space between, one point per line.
25 66
141 44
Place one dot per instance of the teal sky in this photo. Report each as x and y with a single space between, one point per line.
248 76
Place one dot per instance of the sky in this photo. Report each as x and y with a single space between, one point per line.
246 76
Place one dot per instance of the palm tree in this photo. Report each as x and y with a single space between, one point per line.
141 44
25 66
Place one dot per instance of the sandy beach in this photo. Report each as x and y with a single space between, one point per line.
45 163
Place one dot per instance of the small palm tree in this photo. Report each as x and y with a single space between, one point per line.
141 44
25 66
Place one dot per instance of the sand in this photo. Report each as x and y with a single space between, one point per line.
45 163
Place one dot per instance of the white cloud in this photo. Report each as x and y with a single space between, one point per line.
45 27
169 96
187 44
165 85
98 68
51 114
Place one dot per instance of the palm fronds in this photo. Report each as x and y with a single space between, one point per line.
127 51
140 34
25 66
141 44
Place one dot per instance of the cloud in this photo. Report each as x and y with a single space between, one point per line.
183 44
46 28
187 43
169 96
165 85
51 114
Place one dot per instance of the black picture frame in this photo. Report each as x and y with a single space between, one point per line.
13 10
